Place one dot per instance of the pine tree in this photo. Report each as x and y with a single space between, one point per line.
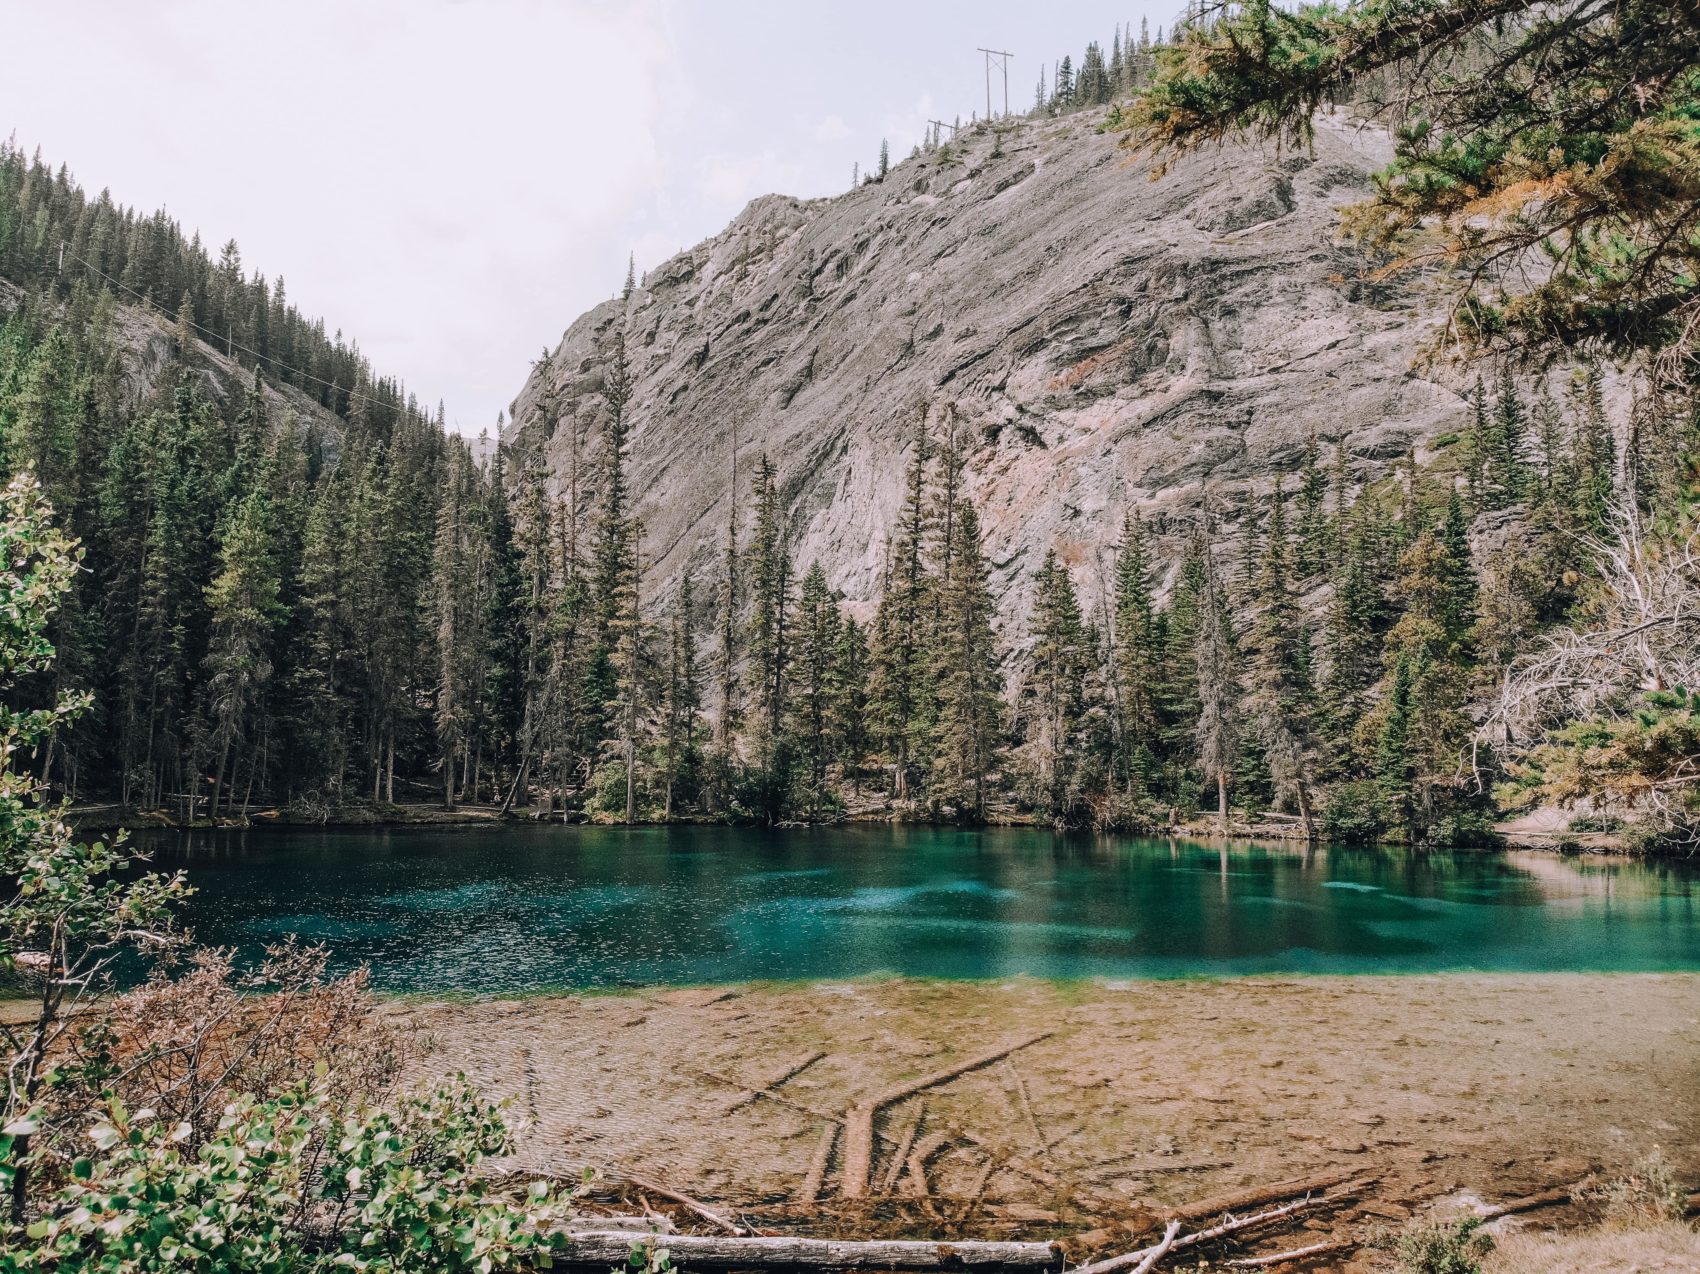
1310 556
818 636
1138 658
1283 698
968 726
630 284
770 594
849 705
459 576
1458 604
1594 453
628 660
1505 472
242 602
1218 727
1054 699
1478 445
885 158
1422 704
1063 97
681 703
730 599
901 659
1356 617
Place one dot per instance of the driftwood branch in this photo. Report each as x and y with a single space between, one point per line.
859 1119
685 1201
1257 1196
1233 1225
1160 1250
1325 1248
612 1247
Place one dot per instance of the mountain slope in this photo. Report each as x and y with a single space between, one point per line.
1102 340
146 342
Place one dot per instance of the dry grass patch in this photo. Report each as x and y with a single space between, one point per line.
1669 1248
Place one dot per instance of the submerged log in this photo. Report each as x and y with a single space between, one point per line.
612 1247
859 1119
1257 1196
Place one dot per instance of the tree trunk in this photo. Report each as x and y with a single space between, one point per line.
631 779
218 780
1222 800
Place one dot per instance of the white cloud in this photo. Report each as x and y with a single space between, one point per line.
831 129
731 181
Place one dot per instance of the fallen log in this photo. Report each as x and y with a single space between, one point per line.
1027 1107
1257 1196
1325 1248
900 1157
859 1119
1233 1225
1134 1166
685 1201
1015 1163
760 1088
924 1150
1161 1249
612 1247
981 1179
1546 1198
810 1190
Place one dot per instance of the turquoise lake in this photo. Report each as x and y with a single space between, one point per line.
520 907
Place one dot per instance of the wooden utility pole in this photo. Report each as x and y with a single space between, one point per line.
1003 65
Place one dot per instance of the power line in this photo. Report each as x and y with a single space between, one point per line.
213 337
1003 65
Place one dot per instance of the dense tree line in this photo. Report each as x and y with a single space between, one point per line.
254 606
357 607
1099 78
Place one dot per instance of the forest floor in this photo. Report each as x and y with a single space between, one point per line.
1453 1091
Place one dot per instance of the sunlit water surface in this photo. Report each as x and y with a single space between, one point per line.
516 908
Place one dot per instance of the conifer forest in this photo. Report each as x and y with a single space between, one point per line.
298 589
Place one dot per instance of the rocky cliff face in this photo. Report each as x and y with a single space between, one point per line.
1104 342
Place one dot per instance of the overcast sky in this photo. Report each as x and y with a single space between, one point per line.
452 183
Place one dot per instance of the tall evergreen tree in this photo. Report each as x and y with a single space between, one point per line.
681 704
901 658
1218 727
968 727
1283 697
1054 700
242 601
1138 652
818 636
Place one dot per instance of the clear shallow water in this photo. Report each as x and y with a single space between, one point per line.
516 908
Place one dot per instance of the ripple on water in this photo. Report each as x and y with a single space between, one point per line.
318 926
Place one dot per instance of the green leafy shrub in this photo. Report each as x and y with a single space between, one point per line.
294 1184
1355 814
1443 1247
